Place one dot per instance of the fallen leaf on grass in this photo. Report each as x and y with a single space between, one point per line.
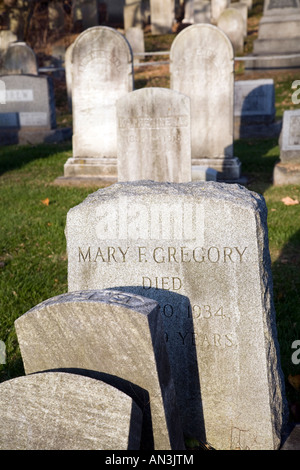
288 201
46 201
294 380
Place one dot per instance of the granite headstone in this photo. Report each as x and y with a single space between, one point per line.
154 140
201 251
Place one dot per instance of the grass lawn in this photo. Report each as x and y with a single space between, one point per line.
33 261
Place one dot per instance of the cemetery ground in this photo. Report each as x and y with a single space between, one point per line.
33 260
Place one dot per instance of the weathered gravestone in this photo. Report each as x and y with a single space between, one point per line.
63 411
154 139
243 9
201 251
133 14
202 11
287 171
232 23
135 37
217 8
202 67
278 35
102 73
114 333
27 110
254 109
162 16
20 59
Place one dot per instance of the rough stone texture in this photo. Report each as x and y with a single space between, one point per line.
232 23
154 136
162 16
201 251
19 59
29 103
202 67
102 73
113 333
287 171
63 411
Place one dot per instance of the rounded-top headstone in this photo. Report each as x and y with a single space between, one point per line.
232 23
65 411
20 59
102 67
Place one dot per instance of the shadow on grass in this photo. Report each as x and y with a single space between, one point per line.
16 157
286 282
258 158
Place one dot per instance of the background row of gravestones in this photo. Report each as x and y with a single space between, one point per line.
186 136
168 328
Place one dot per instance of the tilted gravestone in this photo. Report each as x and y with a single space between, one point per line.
64 411
201 251
154 139
232 23
113 333
20 58
162 16
287 171
102 73
202 67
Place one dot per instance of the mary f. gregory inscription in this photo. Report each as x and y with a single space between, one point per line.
201 251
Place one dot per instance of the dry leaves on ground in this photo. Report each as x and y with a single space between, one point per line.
288 201
46 201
